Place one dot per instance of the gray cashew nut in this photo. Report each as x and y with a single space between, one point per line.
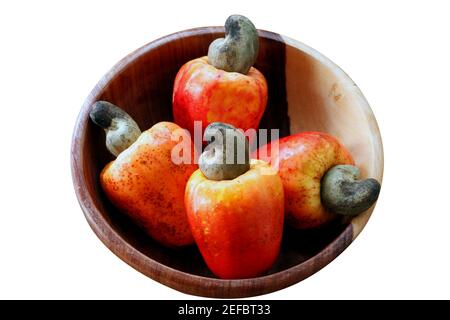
121 130
227 155
344 194
238 51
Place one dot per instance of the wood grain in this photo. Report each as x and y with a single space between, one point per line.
306 91
321 97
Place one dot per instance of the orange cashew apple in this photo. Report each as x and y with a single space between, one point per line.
143 181
235 209
223 87
320 180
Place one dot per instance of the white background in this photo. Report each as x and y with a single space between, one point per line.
52 53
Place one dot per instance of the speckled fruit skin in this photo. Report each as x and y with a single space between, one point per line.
303 160
144 183
207 94
237 224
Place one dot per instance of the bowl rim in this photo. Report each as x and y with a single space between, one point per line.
177 279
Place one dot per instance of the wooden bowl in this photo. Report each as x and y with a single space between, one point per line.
306 92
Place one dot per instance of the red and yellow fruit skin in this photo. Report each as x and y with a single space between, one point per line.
237 224
303 159
207 94
144 183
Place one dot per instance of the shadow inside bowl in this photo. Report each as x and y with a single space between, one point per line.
297 245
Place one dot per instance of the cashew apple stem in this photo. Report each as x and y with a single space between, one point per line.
227 155
344 194
121 130
238 51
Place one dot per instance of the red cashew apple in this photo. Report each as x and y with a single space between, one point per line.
223 86
235 210
320 180
143 182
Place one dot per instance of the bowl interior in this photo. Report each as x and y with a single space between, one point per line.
306 92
